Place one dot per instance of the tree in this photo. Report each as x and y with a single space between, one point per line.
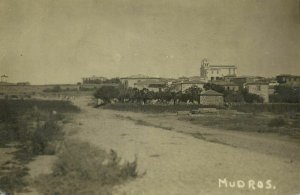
106 93
192 94
170 94
145 95
234 97
286 94
214 87
251 98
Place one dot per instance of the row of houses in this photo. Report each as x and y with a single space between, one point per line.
253 84
222 75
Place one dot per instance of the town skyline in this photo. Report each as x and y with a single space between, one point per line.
46 42
177 76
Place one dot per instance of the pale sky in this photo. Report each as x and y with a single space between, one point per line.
60 41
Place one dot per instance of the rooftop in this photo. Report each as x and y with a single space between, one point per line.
192 82
139 76
149 82
211 93
222 66
288 75
224 83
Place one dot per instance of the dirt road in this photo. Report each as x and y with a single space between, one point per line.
177 163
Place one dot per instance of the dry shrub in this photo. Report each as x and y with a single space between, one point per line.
84 169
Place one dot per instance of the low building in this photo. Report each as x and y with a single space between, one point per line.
155 86
228 86
23 83
95 86
211 97
242 80
184 85
272 86
93 80
132 81
288 80
259 88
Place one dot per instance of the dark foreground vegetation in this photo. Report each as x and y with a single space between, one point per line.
84 169
26 121
32 127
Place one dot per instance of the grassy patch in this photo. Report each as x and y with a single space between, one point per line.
248 122
245 122
274 108
84 169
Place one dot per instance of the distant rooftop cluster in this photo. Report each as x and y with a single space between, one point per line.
225 76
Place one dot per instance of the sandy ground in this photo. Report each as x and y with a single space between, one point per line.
175 163
178 163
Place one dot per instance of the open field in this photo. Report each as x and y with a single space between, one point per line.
261 123
179 157
166 154
273 118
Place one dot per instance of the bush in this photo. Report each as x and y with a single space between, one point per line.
31 124
81 166
277 122
19 120
106 93
286 94
12 181
234 97
42 136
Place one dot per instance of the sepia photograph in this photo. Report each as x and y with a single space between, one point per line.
149 97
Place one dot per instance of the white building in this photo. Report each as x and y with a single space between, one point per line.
259 88
184 85
215 72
